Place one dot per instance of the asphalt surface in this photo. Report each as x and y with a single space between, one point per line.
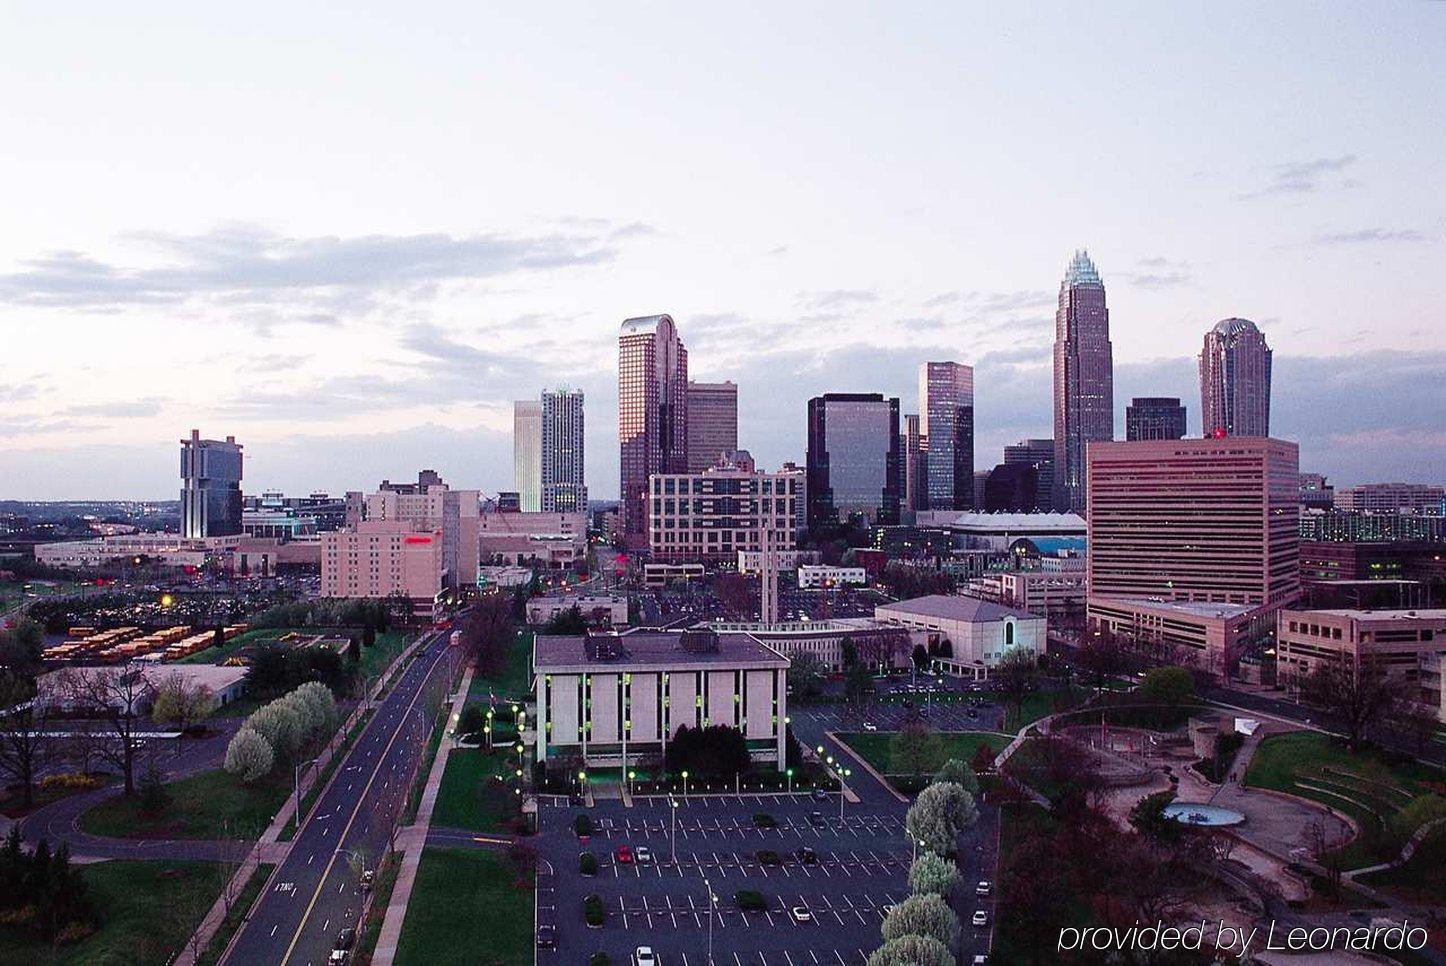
316 892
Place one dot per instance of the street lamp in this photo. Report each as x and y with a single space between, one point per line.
685 783
632 776
296 786
842 774
673 835
789 773
712 903
519 758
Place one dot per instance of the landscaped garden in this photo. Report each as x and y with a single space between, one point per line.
1388 796
515 678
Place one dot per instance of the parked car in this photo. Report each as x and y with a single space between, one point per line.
623 855
800 914
819 795
816 819
643 956
806 855
981 918
643 855
338 957
983 888
546 937
368 876
980 959
870 726
346 938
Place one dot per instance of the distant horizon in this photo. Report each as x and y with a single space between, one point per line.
355 272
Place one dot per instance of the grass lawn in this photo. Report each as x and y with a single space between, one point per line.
1422 879
211 805
1036 705
148 910
389 644
239 908
461 802
1362 784
466 910
873 746
515 679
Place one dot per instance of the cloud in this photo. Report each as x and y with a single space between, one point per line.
1367 236
1157 272
979 302
244 264
835 300
126 409
1303 177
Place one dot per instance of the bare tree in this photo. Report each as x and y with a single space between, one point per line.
26 748
114 698
1360 693
1101 655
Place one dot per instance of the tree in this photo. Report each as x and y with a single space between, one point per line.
1014 676
805 674
1360 694
1415 723
734 594
711 753
487 632
983 761
113 699
916 749
925 915
1100 655
1149 818
1173 686
933 874
281 727
249 755
153 795
912 951
353 650
567 621
22 650
960 774
26 747
938 815
921 657
181 703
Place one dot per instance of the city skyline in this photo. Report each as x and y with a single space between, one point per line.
218 295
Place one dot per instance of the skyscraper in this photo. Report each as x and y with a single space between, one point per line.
1235 380
652 415
1084 395
946 414
854 467
527 453
916 474
210 486
564 488
712 423
1154 417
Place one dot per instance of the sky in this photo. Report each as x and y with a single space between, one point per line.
351 237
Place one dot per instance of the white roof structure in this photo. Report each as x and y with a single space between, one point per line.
1008 524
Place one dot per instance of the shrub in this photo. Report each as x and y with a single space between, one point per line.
749 900
249 755
592 910
587 863
764 820
71 779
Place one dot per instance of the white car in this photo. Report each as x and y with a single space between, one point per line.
870 726
642 855
983 889
801 914
643 956
981 918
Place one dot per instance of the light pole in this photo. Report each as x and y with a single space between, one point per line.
632 775
685 783
712 900
789 772
673 834
842 774
519 761
296 785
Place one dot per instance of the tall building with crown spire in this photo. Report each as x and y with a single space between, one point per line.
1084 394
1235 380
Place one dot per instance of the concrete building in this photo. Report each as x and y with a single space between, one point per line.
712 423
1315 492
527 453
1211 636
751 561
855 470
385 558
562 461
1056 594
946 421
1154 417
1431 679
974 634
1392 498
1354 527
430 504
915 468
1235 380
817 576
1084 388
551 540
612 699
167 549
880 646
210 487
606 610
1392 640
1199 521
710 516
652 416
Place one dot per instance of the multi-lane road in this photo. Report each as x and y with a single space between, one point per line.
316 892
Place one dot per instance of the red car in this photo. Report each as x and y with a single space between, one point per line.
623 854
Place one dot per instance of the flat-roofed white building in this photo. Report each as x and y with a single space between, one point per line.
613 698
975 634
813 576
611 609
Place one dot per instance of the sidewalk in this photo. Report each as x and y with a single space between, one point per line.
413 840
269 848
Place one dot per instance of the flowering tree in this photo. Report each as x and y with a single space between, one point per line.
248 755
928 916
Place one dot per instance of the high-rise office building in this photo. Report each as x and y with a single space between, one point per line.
1084 394
1235 380
1154 417
527 453
1038 453
564 487
712 423
854 466
210 486
946 420
1012 488
652 415
431 505
916 471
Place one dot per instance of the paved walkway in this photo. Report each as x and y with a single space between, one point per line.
413 840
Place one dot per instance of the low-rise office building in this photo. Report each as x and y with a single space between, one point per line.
551 540
709 517
815 576
751 561
607 700
1394 640
1210 636
972 635
1056 594
596 609
880 646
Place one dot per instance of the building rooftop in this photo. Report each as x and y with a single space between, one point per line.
1382 613
641 648
1056 523
646 324
1193 608
955 608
